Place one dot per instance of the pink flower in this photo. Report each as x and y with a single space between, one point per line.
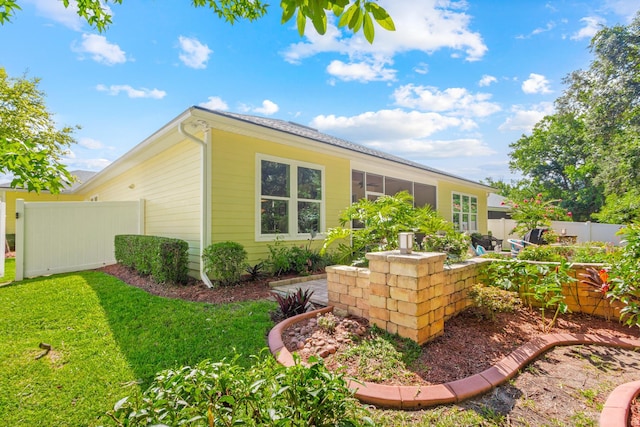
569 214
525 200
502 203
539 195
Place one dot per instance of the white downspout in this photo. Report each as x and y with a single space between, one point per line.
205 172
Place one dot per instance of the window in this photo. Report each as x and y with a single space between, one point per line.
291 198
465 212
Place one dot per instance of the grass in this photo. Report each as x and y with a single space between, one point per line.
106 338
9 271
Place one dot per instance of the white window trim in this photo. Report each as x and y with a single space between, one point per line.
293 200
461 212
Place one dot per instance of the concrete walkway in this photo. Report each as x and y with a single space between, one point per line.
318 284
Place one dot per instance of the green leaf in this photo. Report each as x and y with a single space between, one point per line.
346 17
301 20
320 22
368 29
356 20
288 9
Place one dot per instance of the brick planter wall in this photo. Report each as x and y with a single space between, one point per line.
414 294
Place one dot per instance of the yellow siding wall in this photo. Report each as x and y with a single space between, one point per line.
170 185
445 188
10 197
234 181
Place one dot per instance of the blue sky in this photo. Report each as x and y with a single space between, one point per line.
451 88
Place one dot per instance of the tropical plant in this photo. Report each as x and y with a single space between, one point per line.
379 223
537 284
535 213
625 276
225 261
292 304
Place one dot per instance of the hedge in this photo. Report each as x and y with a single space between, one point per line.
164 259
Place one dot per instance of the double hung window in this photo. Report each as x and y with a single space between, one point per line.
291 198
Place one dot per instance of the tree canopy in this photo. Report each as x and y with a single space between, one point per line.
355 15
588 152
31 148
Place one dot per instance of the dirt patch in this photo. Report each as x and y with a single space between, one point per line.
567 386
195 290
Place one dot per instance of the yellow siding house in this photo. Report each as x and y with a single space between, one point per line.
210 176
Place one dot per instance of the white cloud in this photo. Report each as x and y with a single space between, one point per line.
487 80
536 83
364 71
215 103
404 134
55 10
625 8
455 101
131 92
426 26
193 53
421 68
268 108
591 26
100 49
386 125
524 119
90 143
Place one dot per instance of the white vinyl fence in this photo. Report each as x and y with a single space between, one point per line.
583 231
61 237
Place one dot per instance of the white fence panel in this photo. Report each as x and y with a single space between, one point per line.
61 237
584 231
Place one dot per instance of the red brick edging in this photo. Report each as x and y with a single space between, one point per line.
416 397
617 408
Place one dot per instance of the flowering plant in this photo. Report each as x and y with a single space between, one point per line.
535 213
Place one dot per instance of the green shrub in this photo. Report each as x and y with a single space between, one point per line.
381 220
295 259
225 261
545 253
164 259
491 300
225 394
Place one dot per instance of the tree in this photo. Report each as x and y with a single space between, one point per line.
31 148
556 158
606 97
356 15
590 149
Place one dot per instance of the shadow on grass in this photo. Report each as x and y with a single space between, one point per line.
156 333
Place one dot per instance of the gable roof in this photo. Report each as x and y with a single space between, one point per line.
313 134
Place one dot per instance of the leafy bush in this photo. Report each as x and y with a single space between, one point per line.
625 273
532 281
295 303
225 394
164 259
544 253
225 261
295 259
535 213
491 300
381 221
454 244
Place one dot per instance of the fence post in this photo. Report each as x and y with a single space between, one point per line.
19 240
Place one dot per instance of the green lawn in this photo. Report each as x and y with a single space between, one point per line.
106 337
9 271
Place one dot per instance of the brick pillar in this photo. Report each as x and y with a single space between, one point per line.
406 293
